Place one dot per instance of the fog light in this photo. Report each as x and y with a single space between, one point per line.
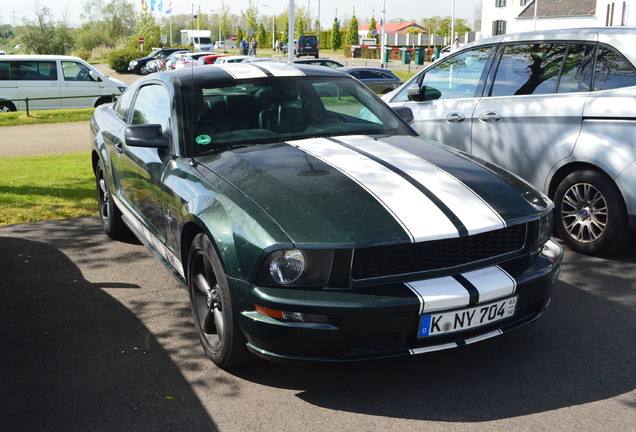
291 316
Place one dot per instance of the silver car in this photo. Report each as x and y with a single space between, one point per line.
555 107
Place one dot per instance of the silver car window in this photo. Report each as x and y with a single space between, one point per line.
612 70
455 77
529 69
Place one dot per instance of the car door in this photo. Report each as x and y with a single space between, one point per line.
37 80
444 96
79 89
530 116
140 169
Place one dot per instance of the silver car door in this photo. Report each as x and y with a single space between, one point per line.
445 97
531 116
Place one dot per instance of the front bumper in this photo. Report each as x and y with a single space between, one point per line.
376 322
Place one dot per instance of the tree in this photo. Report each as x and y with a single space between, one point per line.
336 36
372 28
261 35
250 16
352 32
44 36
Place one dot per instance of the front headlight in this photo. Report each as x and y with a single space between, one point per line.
546 225
133 63
295 267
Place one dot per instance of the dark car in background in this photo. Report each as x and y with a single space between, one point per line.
307 45
138 66
320 62
381 81
310 228
554 107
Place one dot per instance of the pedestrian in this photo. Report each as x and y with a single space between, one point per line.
253 46
278 46
244 46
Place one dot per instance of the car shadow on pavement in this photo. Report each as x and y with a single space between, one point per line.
72 356
582 350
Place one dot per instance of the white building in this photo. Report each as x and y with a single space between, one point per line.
511 16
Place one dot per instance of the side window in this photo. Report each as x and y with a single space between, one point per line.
152 106
5 71
577 69
74 71
34 70
122 106
528 69
455 77
612 70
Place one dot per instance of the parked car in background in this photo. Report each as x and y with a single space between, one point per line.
317 228
209 59
320 62
552 107
232 59
379 80
138 66
172 58
52 82
285 47
190 59
156 65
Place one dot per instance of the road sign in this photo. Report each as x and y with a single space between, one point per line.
141 40
234 37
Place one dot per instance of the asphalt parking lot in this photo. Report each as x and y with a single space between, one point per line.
96 335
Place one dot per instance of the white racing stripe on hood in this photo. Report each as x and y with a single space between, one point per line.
243 71
447 293
280 69
476 214
415 212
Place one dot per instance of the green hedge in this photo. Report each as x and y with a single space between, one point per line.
118 60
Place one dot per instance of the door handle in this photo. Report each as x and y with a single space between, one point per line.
490 117
455 118
119 146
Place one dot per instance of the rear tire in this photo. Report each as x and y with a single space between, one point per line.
213 311
110 215
591 216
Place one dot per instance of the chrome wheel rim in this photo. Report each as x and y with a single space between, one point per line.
584 213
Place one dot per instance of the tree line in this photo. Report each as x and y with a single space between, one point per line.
117 25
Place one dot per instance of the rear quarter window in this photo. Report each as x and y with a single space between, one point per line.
612 70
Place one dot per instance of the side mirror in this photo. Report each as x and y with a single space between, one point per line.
94 76
147 135
430 93
405 113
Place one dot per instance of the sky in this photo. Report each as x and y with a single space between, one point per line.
406 9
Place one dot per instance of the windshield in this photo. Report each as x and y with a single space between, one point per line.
228 114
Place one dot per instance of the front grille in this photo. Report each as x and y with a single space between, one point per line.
403 259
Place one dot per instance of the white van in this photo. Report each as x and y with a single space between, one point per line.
51 81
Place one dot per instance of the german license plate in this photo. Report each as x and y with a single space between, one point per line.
468 318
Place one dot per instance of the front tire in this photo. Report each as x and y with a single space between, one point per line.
215 317
6 107
591 214
110 215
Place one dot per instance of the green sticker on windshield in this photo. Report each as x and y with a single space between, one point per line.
203 139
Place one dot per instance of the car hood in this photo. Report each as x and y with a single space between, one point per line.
363 190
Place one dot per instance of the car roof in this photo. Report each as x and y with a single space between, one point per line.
243 71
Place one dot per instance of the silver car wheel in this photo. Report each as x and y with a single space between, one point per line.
584 212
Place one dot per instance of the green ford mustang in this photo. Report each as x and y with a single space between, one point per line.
310 223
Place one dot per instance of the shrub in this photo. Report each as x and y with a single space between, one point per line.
118 60
84 55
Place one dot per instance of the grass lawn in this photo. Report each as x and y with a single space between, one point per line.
19 118
37 188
